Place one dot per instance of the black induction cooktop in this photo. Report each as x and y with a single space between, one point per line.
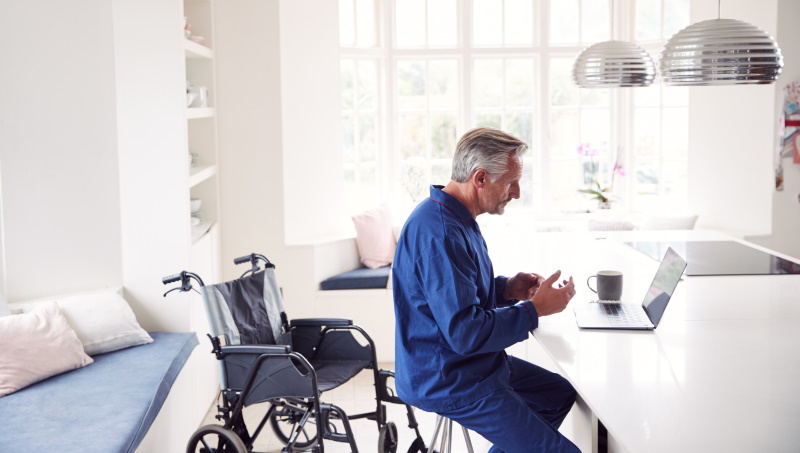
720 258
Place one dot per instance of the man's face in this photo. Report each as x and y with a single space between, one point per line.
497 194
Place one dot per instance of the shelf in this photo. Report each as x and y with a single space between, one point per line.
200 230
200 112
195 50
201 173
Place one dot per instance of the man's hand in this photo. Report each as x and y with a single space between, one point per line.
522 286
549 300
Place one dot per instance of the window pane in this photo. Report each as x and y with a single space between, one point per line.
562 90
347 26
646 127
487 24
494 120
411 84
676 16
595 97
648 20
564 133
648 96
410 23
367 84
365 23
564 21
443 84
520 125
675 179
519 83
676 137
565 180
442 23
346 68
443 135
646 177
413 136
348 139
675 96
596 129
595 21
367 149
488 83
518 22
440 173
414 180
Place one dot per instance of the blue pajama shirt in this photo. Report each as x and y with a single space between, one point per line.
453 327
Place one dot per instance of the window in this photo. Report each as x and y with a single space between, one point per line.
417 74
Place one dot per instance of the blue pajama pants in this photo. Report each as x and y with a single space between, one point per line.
524 418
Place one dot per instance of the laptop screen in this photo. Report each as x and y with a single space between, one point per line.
664 284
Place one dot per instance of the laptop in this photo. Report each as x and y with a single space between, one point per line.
602 315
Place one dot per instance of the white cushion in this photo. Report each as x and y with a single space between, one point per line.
104 322
374 237
37 345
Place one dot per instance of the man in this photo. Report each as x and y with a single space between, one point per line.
455 318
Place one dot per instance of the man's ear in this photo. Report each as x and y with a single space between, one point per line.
480 178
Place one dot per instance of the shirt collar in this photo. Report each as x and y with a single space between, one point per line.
451 203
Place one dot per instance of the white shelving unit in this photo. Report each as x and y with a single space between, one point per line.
201 117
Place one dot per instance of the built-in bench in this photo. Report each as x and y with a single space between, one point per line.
362 278
107 406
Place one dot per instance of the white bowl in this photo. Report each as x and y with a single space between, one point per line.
194 205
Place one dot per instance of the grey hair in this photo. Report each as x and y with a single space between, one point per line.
485 148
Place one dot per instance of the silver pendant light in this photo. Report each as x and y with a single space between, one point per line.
612 64
720 52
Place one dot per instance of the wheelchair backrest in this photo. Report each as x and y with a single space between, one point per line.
247 310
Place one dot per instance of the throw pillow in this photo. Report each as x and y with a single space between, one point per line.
37 345
104 322
374 238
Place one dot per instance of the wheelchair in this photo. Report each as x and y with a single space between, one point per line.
266 358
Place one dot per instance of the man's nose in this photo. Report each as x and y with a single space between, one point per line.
515 191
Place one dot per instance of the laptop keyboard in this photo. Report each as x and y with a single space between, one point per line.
619 315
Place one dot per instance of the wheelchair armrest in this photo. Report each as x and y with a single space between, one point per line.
255 349
328 322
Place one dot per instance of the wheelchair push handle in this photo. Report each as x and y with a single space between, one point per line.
170 278
185 278
253 258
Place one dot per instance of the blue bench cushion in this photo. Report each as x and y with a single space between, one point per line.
106 406
363 278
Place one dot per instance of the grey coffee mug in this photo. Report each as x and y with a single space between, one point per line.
609 285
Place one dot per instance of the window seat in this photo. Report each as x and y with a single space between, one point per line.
107 406
362 278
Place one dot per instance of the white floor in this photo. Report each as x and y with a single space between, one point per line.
358 396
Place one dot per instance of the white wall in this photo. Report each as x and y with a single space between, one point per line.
250 130
311 113
58 139
279 130
731 132
153 162
785 204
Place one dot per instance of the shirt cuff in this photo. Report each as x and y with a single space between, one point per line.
500 288
531 310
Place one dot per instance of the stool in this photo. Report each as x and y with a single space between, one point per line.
445 425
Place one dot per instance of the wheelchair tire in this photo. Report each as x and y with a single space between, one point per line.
283 421
387 438
215 439
418 446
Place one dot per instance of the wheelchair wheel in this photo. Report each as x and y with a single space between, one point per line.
387 438
215 439
284 420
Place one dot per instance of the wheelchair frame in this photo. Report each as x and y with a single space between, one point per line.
233 436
